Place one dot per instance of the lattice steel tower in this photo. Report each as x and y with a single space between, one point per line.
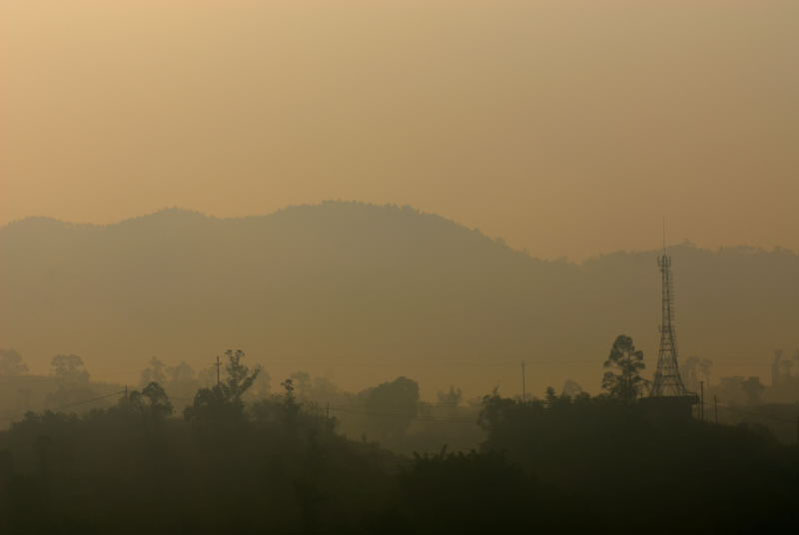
668 382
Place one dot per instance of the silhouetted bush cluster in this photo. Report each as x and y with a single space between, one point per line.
641 471
278 465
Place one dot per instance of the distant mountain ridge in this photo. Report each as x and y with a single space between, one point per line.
364 292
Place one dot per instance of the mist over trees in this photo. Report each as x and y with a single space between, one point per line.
72 380
372 285
11 364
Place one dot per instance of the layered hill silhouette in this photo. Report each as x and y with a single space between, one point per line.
366 292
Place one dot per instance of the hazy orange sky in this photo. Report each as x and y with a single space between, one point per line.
568 128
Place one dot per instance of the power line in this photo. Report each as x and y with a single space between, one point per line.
67 405
89 400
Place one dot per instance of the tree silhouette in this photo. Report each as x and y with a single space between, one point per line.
73 381
154 373
451 398
69 368
391 407
239 377
11 363
623 379
571 388
753 390
224 400
152 402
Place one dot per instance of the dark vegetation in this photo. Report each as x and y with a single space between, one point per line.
277 464
185 452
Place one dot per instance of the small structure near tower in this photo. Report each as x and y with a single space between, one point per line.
668 396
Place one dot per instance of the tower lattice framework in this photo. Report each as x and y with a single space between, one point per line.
667 382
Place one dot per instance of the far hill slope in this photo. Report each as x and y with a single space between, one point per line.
364 293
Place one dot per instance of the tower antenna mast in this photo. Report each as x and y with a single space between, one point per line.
667 382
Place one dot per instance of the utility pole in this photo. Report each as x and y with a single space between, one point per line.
702 400
126 392
716 407
218 365
524 384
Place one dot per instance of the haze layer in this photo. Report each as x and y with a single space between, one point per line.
363 294
569 128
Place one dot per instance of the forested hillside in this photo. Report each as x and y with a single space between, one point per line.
364 293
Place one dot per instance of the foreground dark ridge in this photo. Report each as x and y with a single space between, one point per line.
278 464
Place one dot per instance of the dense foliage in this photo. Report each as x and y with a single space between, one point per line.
561 464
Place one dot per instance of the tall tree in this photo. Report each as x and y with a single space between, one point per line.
72 379
391 407
154 373
70 369
11 363
571 389
624 364
152 402
224 400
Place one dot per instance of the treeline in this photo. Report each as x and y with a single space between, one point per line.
279 464
375 285
391 412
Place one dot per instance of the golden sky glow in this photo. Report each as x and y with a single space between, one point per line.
569 128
